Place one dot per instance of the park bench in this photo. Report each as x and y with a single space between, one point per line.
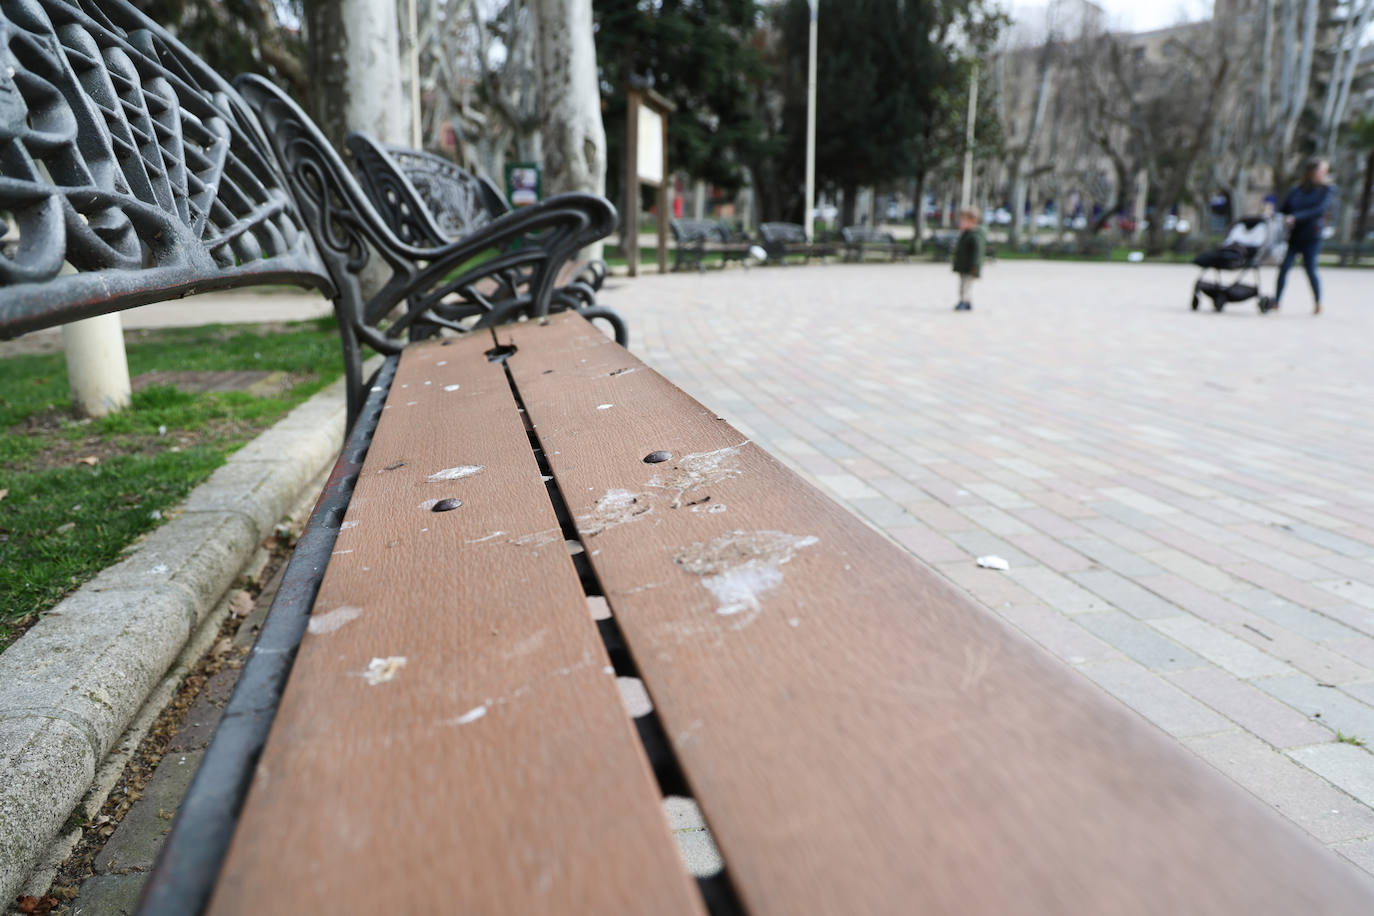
783 239
525 514
694 239
431 201
861 240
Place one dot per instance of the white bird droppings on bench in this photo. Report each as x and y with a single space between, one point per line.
615 508
333 620
381 670
739 566
472 715
457 473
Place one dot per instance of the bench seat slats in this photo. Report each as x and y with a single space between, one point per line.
861 737
494 769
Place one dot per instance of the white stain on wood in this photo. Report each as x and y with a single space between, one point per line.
738 567
452 387
615 508
333 620
472 715
700 469
381 670
457 473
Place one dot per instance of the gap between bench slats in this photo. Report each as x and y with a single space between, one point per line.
451 739
861 737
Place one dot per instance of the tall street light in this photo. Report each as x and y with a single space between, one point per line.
808 220
966 193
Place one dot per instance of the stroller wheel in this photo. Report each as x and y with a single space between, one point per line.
1218 306
1196 292
1265 304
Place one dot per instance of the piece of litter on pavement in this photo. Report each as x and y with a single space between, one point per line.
991 562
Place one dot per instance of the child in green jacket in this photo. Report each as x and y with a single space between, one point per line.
968 256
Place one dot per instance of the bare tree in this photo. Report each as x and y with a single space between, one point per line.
355 68
1280 103
1356 17
570 98
1022 161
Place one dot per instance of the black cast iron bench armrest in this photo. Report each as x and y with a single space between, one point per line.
439 287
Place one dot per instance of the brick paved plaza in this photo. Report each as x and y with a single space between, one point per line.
1186 499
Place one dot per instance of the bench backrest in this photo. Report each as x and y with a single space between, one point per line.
696 230
425 199
782 232
866 234
132 172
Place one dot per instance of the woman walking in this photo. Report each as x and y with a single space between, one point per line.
1305 208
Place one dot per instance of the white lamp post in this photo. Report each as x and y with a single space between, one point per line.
808 221
966 194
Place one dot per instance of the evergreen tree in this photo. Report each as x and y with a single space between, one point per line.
699 54
889 75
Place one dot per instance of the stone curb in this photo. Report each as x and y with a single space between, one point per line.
72 684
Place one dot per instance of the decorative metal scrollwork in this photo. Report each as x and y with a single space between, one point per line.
124 158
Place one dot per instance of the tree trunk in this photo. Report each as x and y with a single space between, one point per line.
1019 191
355 66
572 135
1362 223
850 205
918 216
574 139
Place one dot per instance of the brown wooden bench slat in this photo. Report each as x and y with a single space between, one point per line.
495 770
861 736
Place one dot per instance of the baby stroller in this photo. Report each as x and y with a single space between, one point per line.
1240 255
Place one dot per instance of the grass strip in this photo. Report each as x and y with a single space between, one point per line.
76 493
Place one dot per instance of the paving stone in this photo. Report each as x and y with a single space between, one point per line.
1305 623
1251 708
1199 573
1124 594
1221 649
1345 765
1113 557
1360 852
135 844
990 587
1351 590
982 544
1314 804
110 895
1139 641
1331 540
995 520
1336 709
1059 634
927 544
1156 699
1057 591
204 714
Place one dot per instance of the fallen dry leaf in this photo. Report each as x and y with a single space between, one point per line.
4 493
92 460
240 603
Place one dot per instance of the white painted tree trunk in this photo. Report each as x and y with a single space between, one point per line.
574 138
357 69
376 103
97 369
